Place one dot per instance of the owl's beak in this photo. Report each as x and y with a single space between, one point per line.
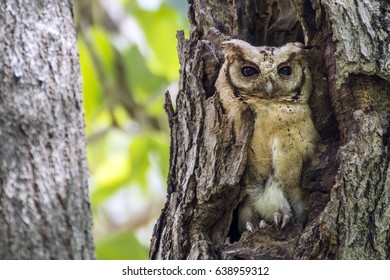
269 88
266 87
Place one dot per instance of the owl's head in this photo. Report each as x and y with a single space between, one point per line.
267 73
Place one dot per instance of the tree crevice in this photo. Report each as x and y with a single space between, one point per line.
348 197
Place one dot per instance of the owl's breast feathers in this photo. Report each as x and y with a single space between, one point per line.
281 130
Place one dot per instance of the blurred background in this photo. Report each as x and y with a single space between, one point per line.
128 61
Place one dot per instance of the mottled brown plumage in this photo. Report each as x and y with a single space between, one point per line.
276 84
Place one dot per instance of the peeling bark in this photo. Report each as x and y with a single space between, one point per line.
348 206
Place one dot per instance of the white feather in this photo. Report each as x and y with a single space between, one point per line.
269 201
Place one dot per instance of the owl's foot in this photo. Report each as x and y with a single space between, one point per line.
281 220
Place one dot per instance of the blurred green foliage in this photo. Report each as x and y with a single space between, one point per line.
128 60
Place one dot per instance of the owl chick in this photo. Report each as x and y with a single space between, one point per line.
275 83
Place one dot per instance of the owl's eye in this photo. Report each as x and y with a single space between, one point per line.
249 71
285 71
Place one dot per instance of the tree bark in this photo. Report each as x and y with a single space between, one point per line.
44 200
349 190
355 223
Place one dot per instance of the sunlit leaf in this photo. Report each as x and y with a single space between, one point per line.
139 158
123 246
110 175
121 116
155 108
160 30
91 85
104 50
94 153
141 80
102 119
159 145
114 168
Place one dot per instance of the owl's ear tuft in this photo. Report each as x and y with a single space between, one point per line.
234 47
230 47
296 48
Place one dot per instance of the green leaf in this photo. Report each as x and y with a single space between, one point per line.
113 169
159 145
102 44
91 85
141 80
155 108
160 28
139 158
112 174
94 153
121 116
100 120
123 246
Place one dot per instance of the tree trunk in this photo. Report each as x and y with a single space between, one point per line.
44 203
349 213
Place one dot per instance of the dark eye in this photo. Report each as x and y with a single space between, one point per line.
249 71
285 71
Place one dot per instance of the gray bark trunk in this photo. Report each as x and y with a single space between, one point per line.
349 214
44 201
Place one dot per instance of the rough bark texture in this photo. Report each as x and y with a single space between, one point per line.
355 35
349 214
44 201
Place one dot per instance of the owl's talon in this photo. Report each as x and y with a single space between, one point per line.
286 219
262 224
277 218
281 220
249 226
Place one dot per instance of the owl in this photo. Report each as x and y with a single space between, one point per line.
275 83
